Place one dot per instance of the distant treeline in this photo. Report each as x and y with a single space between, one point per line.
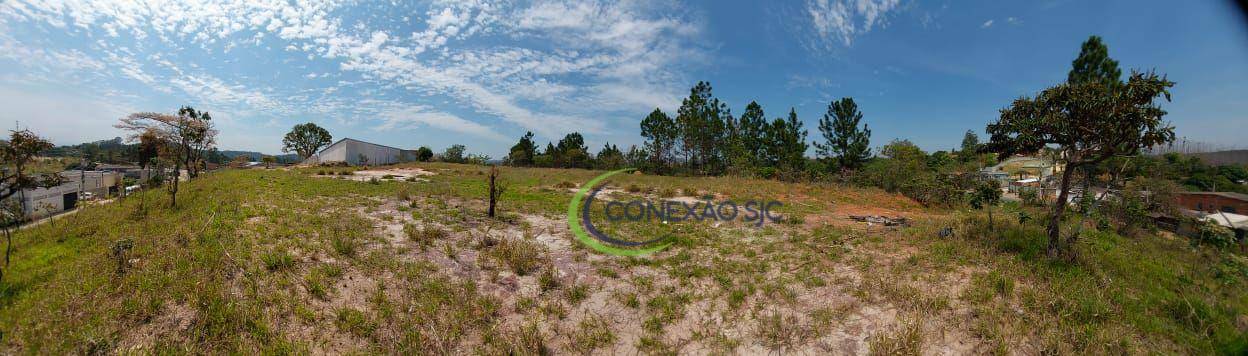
117 151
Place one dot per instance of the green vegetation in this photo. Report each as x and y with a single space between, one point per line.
256 258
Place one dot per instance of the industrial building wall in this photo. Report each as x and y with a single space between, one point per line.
376 154
336 153
42 202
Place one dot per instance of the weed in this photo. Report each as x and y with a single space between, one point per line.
522 255
548 280
592 333
344 245
277 260
424 236
780 332
904 339
577 293
354 322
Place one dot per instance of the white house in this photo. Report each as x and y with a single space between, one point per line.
356 152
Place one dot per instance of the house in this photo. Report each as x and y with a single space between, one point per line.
1022 167
1212 202
355 152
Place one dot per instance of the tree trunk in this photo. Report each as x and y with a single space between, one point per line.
1056 247
173 188
493 193
990 225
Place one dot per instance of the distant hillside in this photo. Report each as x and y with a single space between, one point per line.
255 156
1224 157
117 150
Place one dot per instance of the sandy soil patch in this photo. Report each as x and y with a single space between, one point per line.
391 174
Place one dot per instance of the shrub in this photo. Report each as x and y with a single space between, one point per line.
667 193
633 188
1210 233
403 194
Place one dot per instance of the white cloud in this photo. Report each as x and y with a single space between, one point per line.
986 24
837 22
551 66
418 116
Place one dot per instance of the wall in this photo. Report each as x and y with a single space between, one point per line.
1212 203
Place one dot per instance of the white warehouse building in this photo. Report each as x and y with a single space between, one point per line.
357 153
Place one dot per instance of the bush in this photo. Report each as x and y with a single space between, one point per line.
1210 233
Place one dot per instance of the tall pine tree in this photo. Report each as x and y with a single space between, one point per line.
661 136
844 144
1094 64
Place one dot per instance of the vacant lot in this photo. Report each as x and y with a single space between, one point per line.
287 261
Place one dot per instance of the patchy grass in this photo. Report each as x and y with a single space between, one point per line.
280 261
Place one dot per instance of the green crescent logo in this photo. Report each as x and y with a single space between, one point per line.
596 243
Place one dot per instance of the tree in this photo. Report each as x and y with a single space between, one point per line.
661 135
522 153
970 146
200 139
454 154
701 123
786 143
748 145
844 144
986 195
1088 123
424 154
180 135
306 140
268 161
1094 64
149 148
610 157
571 152
15 154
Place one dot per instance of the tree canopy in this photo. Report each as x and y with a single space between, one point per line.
306 139
1087 122
844 144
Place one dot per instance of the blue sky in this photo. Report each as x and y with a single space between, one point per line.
483 73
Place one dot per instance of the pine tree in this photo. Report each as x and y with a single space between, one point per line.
522 152
751 129
791 143
970 146
661 135
1094 64
701 121
844 144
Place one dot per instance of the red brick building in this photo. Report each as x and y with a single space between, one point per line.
1209 202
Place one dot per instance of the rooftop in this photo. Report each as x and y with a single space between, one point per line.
1231 195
